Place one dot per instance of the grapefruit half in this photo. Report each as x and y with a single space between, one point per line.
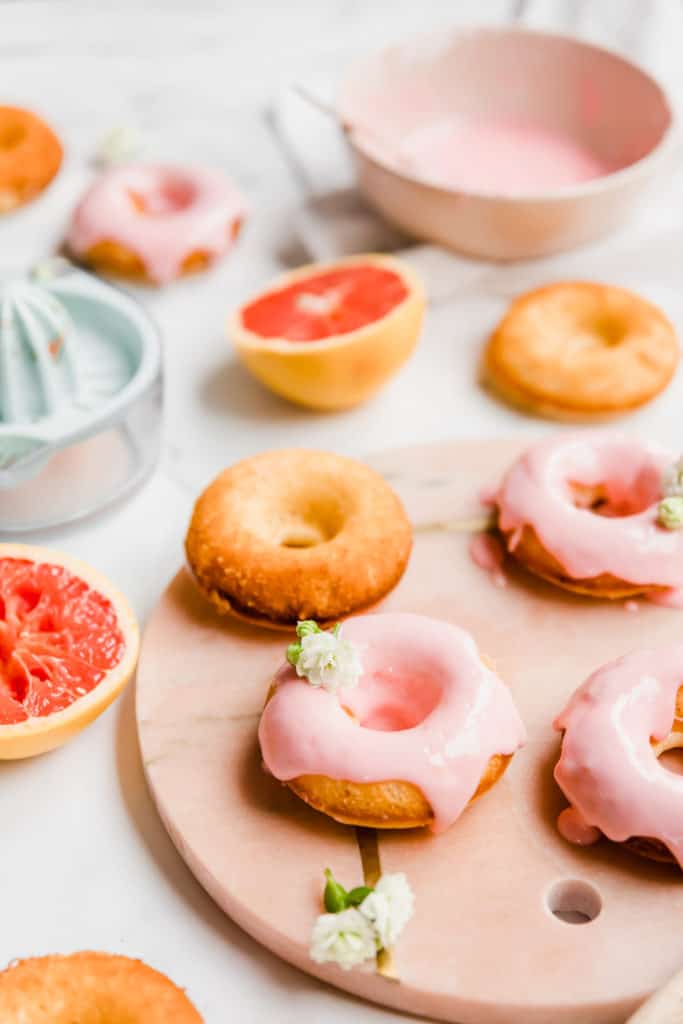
68 645
328 336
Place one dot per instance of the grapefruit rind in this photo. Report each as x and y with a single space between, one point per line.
40 734
344 370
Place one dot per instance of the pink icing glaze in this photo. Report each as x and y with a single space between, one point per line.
488 552
497 156
625 540
572 826
608 770
186 209
672 598
427 710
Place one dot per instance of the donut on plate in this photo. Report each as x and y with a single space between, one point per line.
155 222
615 727
581 510
89 988
422 730
297 534
580 351
30 156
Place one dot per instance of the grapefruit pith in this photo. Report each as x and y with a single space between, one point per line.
68 645
328 336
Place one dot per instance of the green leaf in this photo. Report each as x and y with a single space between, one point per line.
335 631
335 895
293 653
306 627
357 895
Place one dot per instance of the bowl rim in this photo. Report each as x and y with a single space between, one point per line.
566 193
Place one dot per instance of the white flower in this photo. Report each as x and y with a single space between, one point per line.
121 143
672 480
670 512
346 938
389 907
327 660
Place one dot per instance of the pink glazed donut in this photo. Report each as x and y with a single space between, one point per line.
155 222
580 510
615 727
428 728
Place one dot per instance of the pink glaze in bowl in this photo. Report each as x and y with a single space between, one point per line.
504 143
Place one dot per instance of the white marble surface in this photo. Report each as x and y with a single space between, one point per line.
86 863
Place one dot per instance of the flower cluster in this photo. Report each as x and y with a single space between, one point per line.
324 658
670 508
672 480
361 922
122 143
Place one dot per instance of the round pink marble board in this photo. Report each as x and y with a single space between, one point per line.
484 946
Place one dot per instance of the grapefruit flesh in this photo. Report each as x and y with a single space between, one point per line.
326 304
59 638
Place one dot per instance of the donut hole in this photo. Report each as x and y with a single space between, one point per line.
311 520
387 701
617 498
573 901
609 328
11 134
672 760
172 195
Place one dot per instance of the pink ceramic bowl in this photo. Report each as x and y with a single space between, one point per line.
593 100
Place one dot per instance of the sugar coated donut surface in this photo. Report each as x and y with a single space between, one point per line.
155 221
615 726
30 156
90 988
427 713
580 351
297 534
581 510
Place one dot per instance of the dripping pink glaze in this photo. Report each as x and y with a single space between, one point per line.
427 710
572 826
608 769
626 542
505 157
188 209
488 552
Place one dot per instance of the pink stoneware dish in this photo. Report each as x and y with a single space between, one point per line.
504 143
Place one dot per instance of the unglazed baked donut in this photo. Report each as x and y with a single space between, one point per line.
155 222
90 988
297 534
427 730
30 156
581 351
580 510
614 728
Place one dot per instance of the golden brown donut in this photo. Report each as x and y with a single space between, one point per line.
394 804
30 156
90 988
297 534
580 351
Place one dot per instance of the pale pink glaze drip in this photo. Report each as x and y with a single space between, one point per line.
487 496
189 209
572 826
608 769
503 157
488 552
428 711
672 598
631 547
